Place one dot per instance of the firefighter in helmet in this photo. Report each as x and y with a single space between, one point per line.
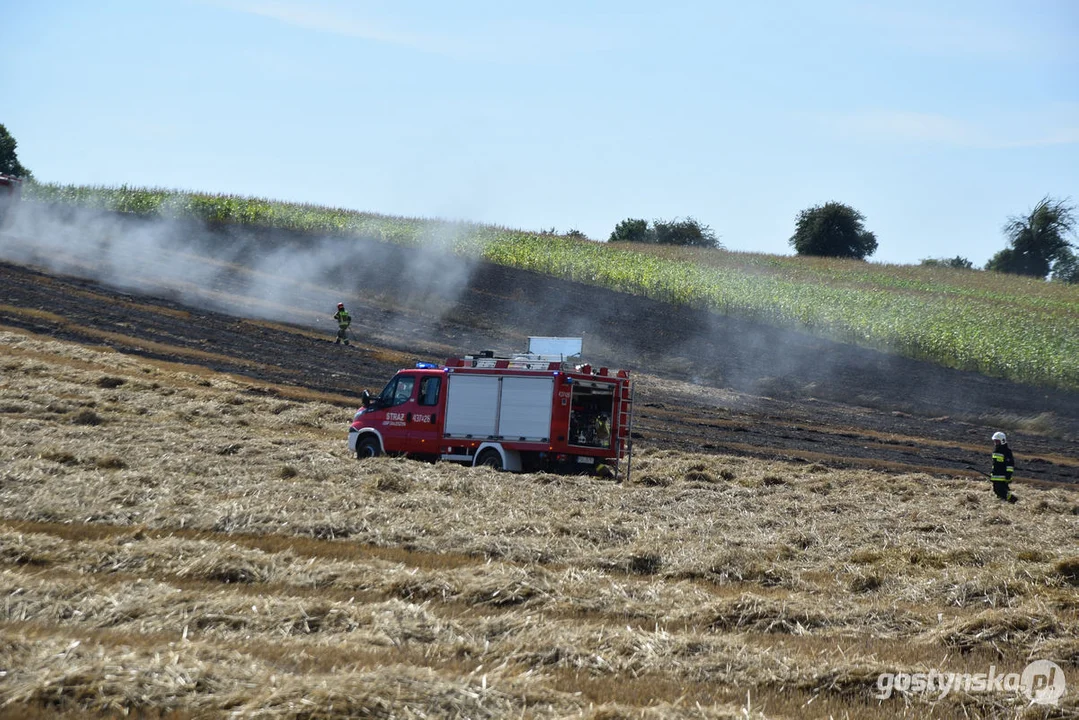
603 430
1003 467
343 321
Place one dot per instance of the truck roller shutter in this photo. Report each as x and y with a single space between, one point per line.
525 410
471 406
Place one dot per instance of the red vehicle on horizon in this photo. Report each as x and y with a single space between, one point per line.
10 188
527 412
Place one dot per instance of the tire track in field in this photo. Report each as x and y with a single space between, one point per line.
304 630
464 588
309 566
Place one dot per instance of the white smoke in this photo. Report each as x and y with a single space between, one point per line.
254 273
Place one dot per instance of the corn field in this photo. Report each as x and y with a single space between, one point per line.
1022 329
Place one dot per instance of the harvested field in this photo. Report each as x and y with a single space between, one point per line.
180 542
183 533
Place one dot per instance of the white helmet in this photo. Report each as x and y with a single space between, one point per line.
1000 436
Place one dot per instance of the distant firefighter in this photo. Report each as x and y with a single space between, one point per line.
1003 468
343 321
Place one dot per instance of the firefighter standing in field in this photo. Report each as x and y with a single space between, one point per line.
343 321
1003 467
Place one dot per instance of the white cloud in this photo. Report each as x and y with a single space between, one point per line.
1056 125
337 21
946 30
925 127
501 39
1065 136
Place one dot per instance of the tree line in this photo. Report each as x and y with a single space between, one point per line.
1038 243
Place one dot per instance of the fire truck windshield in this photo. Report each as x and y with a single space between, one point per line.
397 391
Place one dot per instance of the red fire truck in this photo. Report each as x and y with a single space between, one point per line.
527 412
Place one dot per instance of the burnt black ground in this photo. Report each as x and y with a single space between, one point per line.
785 394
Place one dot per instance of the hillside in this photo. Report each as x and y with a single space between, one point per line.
1017 328
183 533
735 386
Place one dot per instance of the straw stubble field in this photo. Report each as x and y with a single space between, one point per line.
180 543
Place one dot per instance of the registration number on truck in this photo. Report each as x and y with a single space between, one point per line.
586 460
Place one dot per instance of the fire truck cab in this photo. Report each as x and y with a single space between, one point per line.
531 411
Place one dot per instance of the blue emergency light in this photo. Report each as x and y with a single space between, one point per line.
425 366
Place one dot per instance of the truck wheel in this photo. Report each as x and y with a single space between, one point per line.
368 447
490 458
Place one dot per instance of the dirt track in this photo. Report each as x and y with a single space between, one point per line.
706 383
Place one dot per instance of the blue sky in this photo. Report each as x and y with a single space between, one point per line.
937 120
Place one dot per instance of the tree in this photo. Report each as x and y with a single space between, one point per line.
632 230
833 230
684 232
958 262
9 162
1036 242
1066 268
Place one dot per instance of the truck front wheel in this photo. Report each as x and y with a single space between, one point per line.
490 458
368 447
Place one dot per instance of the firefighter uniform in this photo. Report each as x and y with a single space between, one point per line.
603 431
343 321
1003 468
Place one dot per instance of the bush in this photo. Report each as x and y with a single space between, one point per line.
632 230
1066 269
958 262
688 232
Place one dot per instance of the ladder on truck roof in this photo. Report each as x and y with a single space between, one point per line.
625 425
519 361
544 353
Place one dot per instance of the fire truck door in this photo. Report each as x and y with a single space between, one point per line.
426 416
392 412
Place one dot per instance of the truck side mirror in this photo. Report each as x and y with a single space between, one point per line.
365 398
